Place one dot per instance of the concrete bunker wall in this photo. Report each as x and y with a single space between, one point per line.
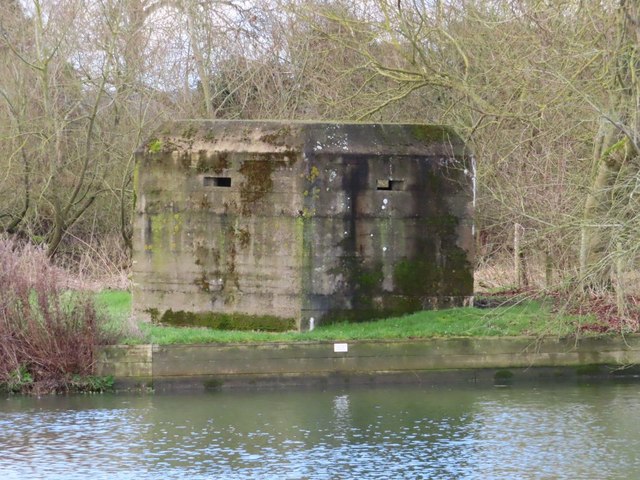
268 225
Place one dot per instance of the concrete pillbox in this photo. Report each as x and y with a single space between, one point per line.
277 225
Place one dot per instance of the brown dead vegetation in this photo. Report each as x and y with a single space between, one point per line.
48 335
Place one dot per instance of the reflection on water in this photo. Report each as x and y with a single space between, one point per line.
419 432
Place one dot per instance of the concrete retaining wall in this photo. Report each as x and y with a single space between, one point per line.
427 360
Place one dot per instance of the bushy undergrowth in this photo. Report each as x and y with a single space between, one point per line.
48 335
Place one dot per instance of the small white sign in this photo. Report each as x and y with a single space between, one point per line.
340 347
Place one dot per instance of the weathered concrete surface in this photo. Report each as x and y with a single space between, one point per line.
130 364
207 366
271 224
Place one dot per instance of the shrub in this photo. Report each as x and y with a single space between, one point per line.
48 335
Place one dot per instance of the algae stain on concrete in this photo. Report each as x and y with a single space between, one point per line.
257 183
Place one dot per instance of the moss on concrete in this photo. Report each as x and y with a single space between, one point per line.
224 321
281 137
417 276
258 181
434 133
215 162
190 131
202 282
457 280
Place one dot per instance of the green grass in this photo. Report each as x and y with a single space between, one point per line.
116 304
528 318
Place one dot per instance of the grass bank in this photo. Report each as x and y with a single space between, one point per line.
529 317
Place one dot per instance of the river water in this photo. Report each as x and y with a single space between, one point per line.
550 432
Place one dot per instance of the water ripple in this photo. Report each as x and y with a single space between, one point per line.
543 433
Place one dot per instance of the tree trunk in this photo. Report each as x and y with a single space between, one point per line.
519 260
594 273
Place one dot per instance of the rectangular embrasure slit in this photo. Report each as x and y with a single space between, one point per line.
388 184
217 181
